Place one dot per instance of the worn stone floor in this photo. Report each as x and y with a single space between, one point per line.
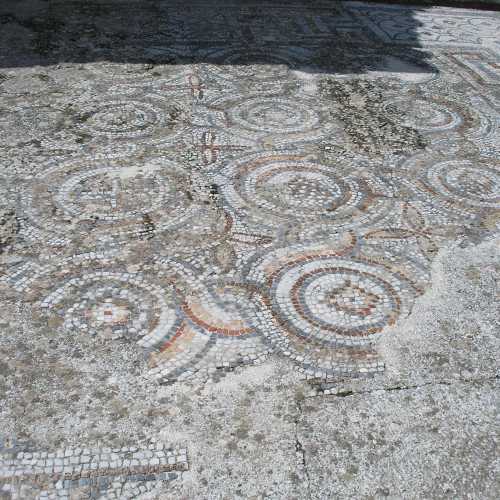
248 249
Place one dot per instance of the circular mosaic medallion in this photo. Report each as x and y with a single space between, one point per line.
423 115
465 183
113 305
94 198
123 119
30 123
286 186
132 115
330 300
276 115
273 121
112 193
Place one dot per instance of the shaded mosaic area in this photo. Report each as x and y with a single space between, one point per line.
226 187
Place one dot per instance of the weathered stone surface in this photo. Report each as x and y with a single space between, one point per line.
435 441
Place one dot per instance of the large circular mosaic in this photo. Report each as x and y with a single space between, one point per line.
465 183
123 119
272 120
331 300
272 114
323 307
30 123
423 115
131 115
100 197
285 186
113 305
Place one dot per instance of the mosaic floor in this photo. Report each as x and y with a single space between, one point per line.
221 201
123 473
225 182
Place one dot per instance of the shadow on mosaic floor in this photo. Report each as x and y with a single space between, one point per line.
316 36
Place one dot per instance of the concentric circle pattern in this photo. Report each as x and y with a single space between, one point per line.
110 197
123 119
28 124
135 116
285 187
462 185
465 183
113 305
424 115
262 114
224 184
337 301
274 119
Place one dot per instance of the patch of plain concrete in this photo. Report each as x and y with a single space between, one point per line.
435 441
453 330
243 437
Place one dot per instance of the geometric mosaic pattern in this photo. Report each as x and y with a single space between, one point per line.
88 472
225 186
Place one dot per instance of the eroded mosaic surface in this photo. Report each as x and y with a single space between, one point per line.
218 186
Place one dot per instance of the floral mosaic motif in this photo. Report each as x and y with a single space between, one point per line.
226 200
